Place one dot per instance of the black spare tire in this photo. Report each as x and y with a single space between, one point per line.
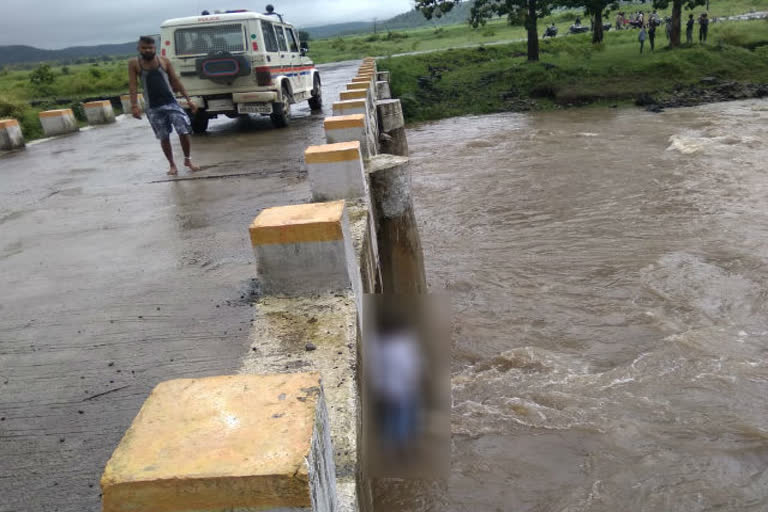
222 67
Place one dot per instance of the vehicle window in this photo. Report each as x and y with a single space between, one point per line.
270 41
281 39
292 40
203 40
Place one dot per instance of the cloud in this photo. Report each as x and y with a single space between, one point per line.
58 24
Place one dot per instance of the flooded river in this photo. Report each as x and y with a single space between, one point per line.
608 270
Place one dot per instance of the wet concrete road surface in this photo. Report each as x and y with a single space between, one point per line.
114 279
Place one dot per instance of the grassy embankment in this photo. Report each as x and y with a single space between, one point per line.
425 39
572 71
71 84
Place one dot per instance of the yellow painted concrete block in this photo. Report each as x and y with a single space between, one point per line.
360 79
341 105
97 104
331 153
354 86
7 123
340 122
353 95
316 222
56 113
218 443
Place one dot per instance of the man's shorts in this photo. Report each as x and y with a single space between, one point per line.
167 117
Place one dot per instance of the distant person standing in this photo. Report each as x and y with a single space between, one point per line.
160 81
689 30
652 35
642 37
703 28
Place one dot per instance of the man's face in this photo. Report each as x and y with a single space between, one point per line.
147 51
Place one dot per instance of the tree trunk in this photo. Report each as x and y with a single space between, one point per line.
531 23
677 15
597 28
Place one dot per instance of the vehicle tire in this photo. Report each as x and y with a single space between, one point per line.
199 121
316 101
281 112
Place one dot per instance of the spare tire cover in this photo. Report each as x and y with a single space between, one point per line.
222 67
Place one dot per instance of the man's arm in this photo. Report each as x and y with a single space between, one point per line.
132 88
177 85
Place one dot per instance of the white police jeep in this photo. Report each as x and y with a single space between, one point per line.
240 62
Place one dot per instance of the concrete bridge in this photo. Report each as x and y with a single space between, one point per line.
117 278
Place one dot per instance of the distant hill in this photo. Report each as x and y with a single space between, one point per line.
413 19
21 54
339 29
410 19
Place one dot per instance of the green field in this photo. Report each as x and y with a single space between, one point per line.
426 39
572 71
70 85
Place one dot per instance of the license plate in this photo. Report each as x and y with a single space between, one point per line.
220 105
254 108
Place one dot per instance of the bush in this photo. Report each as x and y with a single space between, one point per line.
395 36
42 76
22 112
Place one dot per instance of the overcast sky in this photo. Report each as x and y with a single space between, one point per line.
53 24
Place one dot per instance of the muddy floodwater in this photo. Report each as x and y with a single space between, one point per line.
608 271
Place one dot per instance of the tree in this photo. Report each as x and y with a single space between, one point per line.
595 9
526 12
677 15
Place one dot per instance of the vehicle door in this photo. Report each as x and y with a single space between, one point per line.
303 74
271 48
285 56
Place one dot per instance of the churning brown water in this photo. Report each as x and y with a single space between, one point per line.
608 270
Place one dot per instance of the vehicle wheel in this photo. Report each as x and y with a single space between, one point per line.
316 101
281 112
199 121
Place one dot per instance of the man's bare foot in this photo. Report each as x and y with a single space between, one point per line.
173 171
189 165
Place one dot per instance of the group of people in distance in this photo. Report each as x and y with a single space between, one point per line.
648 28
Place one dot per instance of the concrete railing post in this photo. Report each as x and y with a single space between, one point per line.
125 100
400 252
350 128
305 249
58 122
99 112
336 171
383 91
11 136
245 442
392 128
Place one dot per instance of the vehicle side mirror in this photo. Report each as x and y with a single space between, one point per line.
304 51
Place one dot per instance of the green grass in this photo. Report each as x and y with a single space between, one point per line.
426 39
70 86
572 71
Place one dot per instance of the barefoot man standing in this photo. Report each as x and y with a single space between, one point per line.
164 113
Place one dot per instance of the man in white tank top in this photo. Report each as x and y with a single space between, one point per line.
159 81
